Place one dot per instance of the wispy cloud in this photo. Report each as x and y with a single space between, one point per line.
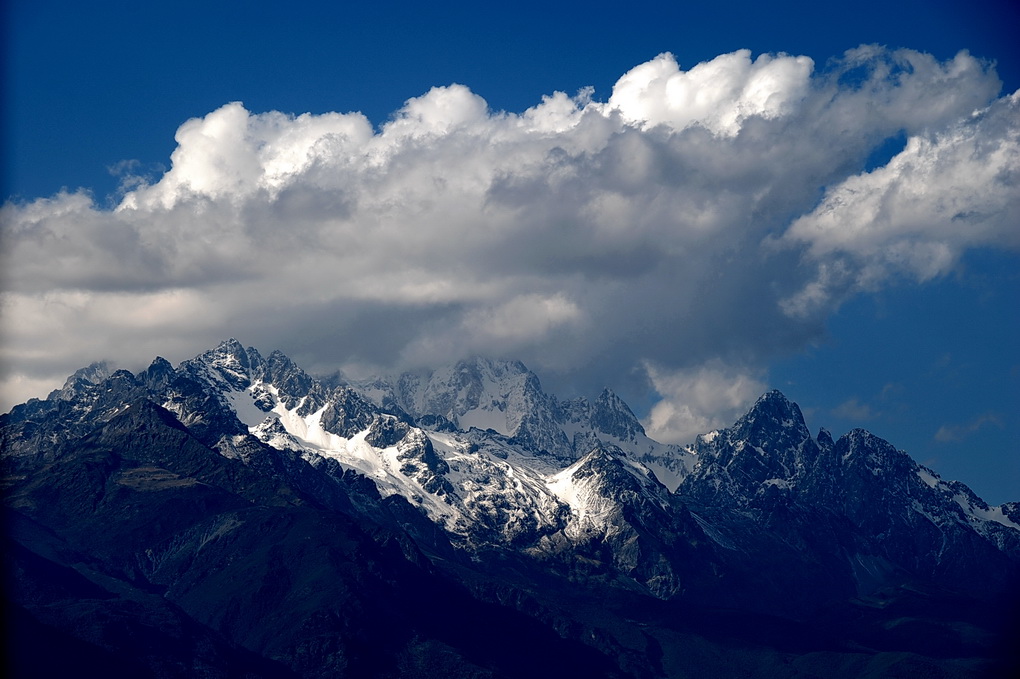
954 433
853 409
674 225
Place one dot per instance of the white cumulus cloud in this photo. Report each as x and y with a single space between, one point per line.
713 216
699 400
719 94
948 190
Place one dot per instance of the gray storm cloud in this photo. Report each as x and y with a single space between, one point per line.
686 230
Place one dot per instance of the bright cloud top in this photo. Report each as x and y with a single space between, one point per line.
719 94
676 225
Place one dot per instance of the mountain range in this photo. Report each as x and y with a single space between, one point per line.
236 516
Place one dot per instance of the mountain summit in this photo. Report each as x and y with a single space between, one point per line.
235 512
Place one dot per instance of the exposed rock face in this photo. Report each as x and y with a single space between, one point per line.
768 450
235 509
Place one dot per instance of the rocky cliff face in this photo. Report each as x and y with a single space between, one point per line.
895 520
381 527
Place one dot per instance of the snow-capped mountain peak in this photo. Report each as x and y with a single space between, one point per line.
611 416
82 379
480 393
491 460
772 413
472 469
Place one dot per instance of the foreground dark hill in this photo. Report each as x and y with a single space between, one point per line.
234 516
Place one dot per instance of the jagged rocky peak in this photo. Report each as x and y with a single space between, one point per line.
83 378
158 375
609 467
94 373
769 446
386 430
344 412
772 414
293 382
860 453
229 363
611 416
232 367
419 461
773 429
229 353
824 439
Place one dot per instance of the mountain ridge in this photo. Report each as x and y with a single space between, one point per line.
480 478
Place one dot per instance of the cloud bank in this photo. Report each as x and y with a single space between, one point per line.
682 233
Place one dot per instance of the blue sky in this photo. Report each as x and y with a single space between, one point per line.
90 86
917 345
